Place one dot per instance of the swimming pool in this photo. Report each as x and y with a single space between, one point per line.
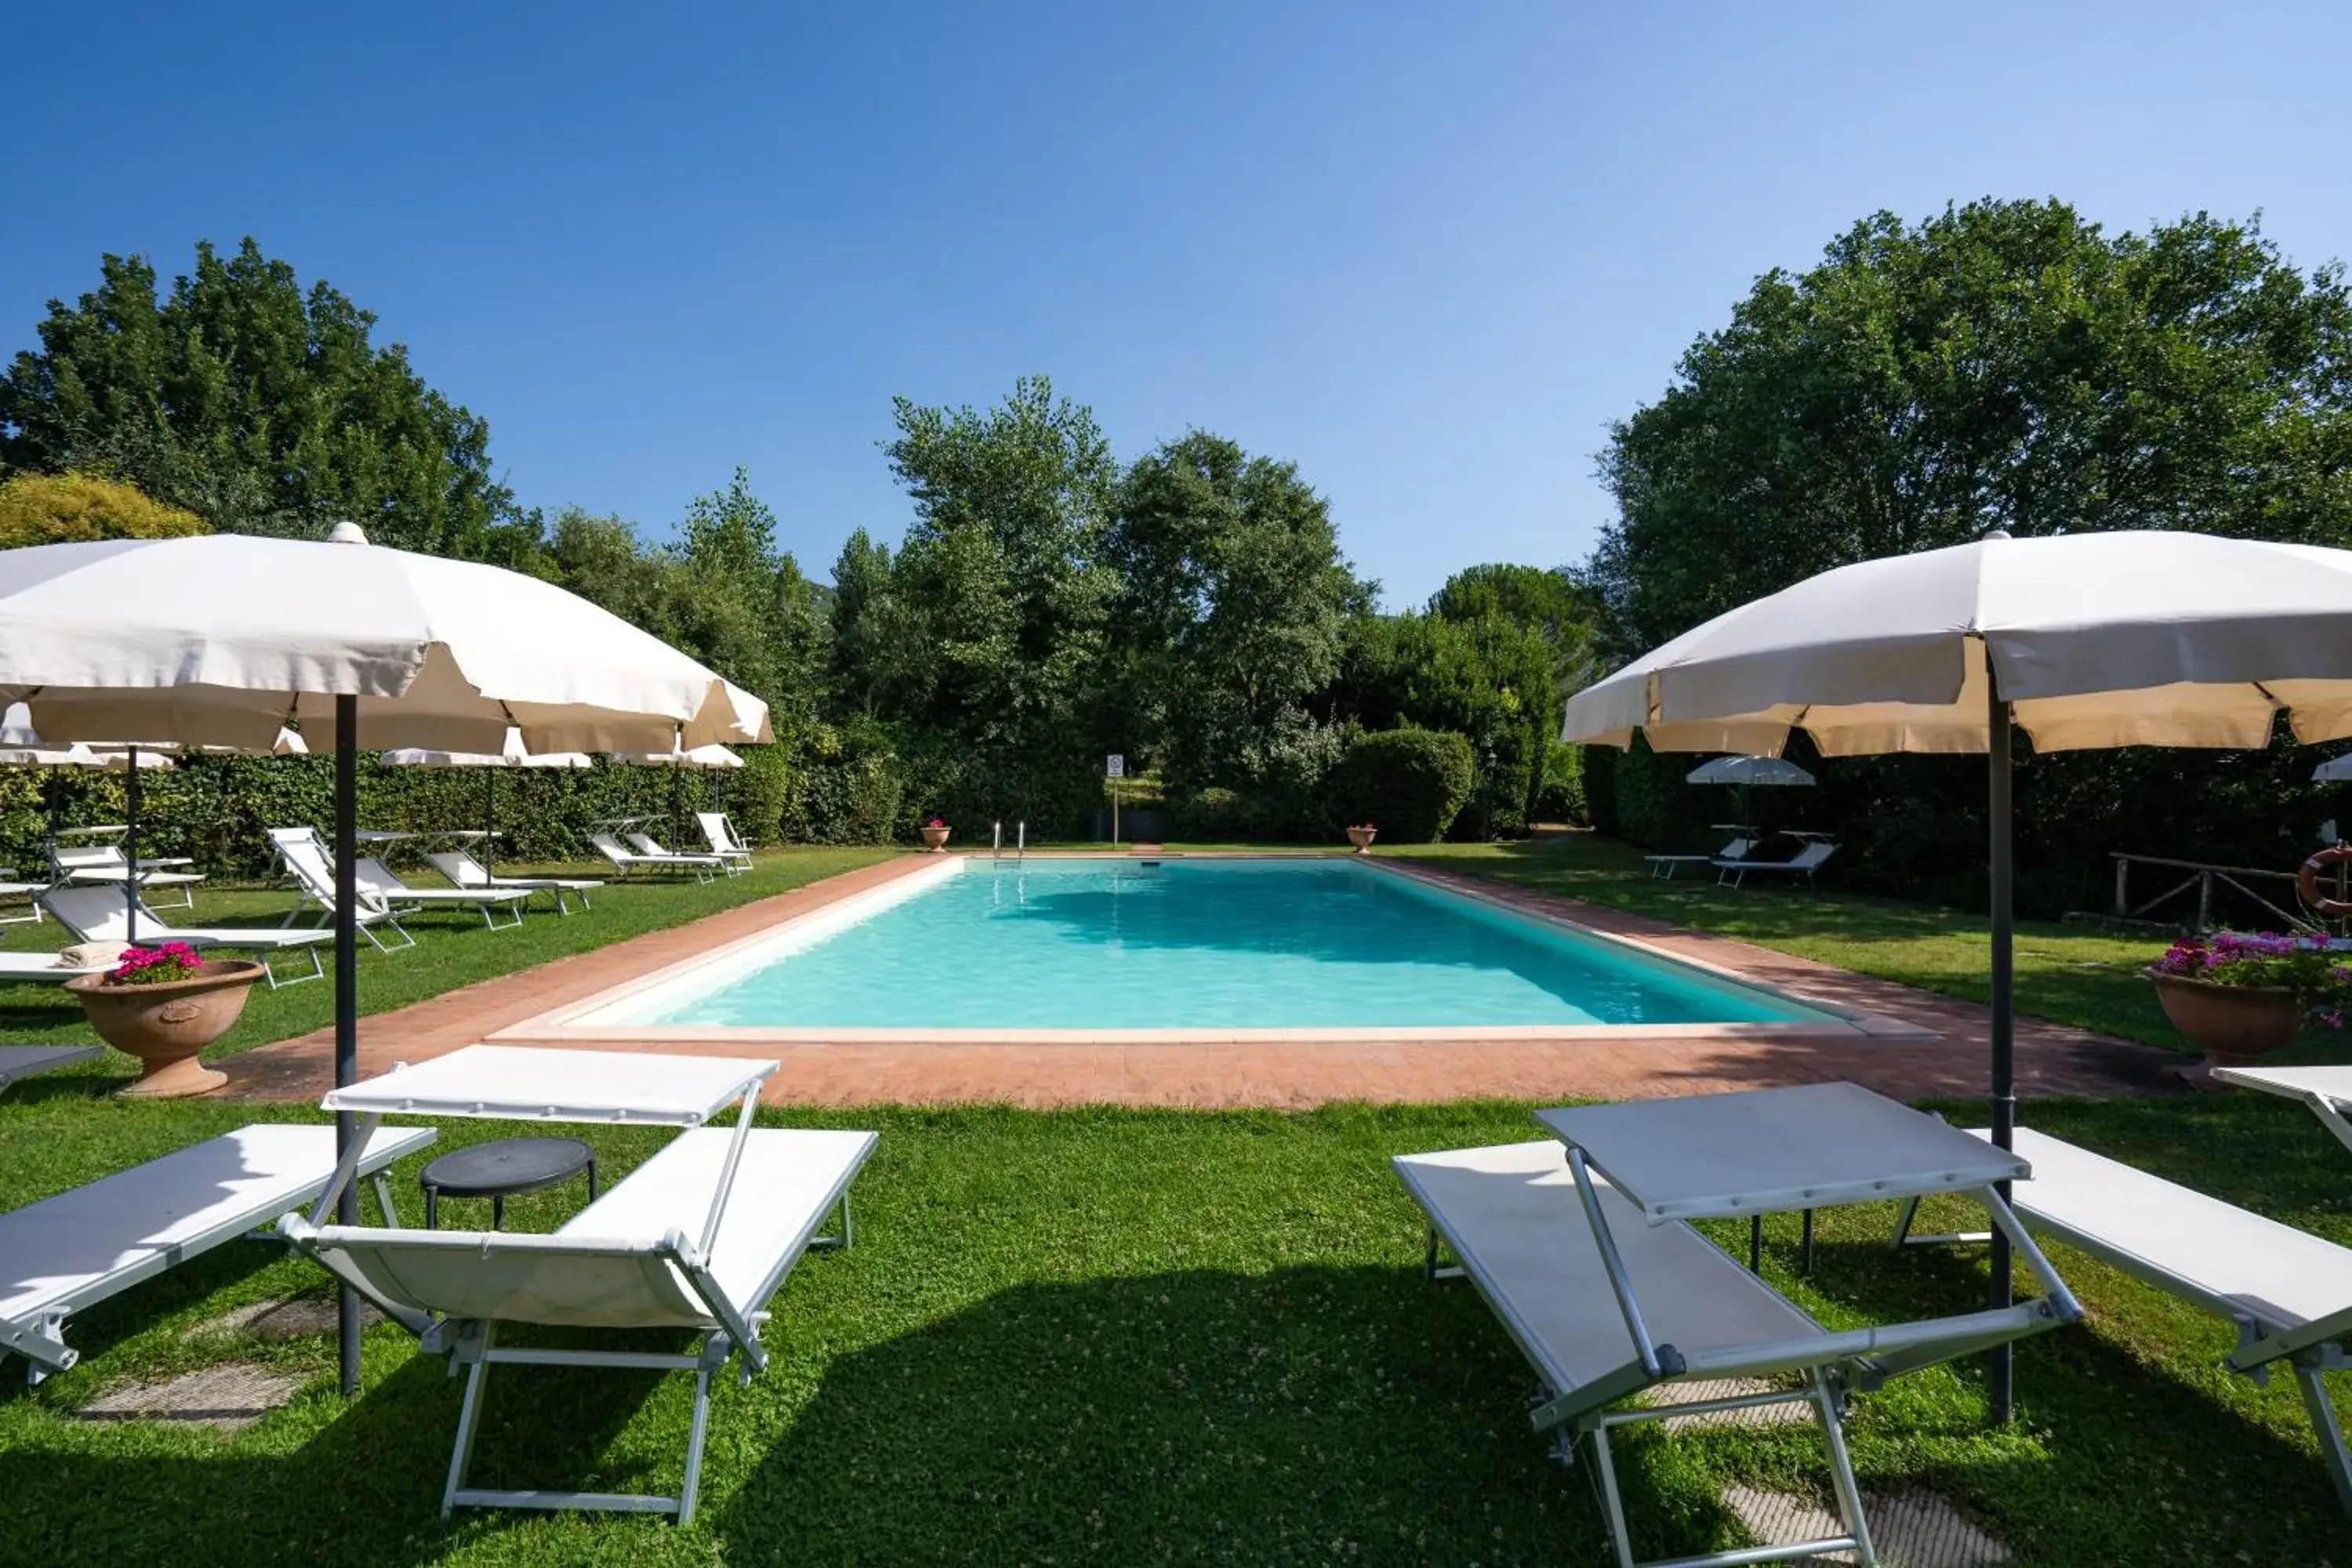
1104 945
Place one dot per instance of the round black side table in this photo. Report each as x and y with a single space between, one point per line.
500 1169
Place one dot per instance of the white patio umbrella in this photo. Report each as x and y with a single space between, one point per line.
2082 640
511 755
1744 774
2335 770
1749 771
683 760
221 639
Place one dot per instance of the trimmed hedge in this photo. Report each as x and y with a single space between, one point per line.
1410 784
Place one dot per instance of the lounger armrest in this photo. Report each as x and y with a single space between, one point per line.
303 1238
2260 1349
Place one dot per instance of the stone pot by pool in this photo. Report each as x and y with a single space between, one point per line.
166 1023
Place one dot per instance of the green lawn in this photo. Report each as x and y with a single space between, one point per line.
1129 1337
453 948
2072 974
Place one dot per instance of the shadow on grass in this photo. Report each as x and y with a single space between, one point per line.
1358 1412
2122 1453
364 1490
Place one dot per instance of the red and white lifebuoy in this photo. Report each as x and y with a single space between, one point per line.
2306 881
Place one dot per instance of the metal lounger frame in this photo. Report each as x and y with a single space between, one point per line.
1830 1365
472 1343
2313 1348
41 1342
44 1060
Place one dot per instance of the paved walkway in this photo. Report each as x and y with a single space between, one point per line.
2051 1059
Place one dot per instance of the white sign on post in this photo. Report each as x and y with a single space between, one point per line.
1115 766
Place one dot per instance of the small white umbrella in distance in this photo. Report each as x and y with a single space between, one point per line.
221 639
512 755
1744 774
2335 770
685 759
1748 772
2082 640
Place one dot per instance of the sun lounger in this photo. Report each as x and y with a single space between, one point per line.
623 1263
377 882
464 871
2288 1291
101 914
313 871
725 842
66 1252
18 1063
1519 1229
1663 866
626 860
1805 863
105 863
42 968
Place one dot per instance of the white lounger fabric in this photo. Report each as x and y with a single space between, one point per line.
97 914
64 1252
464 871
783 1190
601 1270
2284 1276
376 880
1512 1217
20 1062
18 968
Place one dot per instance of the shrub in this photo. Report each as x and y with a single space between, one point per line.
1210 815
1561 798
1410 784
60 509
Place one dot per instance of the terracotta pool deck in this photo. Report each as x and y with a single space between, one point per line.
1946 1056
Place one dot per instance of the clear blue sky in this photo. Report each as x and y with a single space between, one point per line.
1425 251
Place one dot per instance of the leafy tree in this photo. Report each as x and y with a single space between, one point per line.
1488 679
261 406
55 508
991 634
2005 364
1231 616
1559 606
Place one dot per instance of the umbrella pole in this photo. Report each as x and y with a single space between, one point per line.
490 821
347 1004
131 850
2001 813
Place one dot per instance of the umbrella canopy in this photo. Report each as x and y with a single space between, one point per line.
22 747
1747 772
222 638
2091 640
2082 640
713 758
511 755
2335 770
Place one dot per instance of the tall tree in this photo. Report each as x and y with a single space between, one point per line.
1556 603
1232 615
257 405
2005 364
999 593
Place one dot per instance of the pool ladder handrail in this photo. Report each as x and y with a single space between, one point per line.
996 840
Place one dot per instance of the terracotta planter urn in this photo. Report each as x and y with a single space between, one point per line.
1362 837
166 1023
935 837
2234 1025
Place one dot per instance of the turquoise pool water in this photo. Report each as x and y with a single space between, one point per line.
1075 944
